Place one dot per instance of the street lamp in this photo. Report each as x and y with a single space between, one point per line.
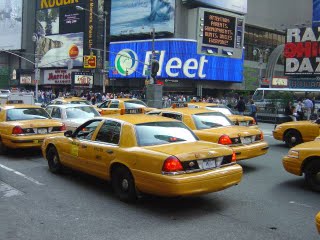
104 18
35 38
262 54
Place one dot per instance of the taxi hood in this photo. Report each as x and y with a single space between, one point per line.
192 150
233 131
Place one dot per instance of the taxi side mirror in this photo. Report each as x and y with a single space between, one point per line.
68 133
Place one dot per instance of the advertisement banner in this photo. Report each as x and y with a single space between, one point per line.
239 6
316 13
178 59
131 17
301 52
58 76
25 80
10 24
82 78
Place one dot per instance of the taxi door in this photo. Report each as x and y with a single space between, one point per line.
100 152
76 147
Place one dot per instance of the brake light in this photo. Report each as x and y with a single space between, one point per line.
261 136
225 140
172 164
234 158
254 122
63 127
17 130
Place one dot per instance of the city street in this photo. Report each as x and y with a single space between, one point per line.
269 203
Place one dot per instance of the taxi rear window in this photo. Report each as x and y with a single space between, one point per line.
157 133
80 102
223 110
18 114
134 104
211 120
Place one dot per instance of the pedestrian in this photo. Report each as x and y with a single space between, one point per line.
253 111
241 106
291 111
308 106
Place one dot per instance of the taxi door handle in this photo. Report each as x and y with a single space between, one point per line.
109 151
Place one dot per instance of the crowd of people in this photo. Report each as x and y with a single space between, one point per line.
303 109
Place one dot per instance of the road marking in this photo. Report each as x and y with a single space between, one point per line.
8 191
300 204
21 175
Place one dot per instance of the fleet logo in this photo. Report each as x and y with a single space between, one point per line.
126 62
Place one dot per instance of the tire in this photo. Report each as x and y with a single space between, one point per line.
53 160
312 175
123 184
292 138
3 148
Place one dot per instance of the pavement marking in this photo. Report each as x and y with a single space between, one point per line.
21 175
300 204
8 191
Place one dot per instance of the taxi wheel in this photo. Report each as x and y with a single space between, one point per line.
292 138
123 184
312 175
54 160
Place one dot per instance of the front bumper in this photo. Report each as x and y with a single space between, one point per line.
277 135
29 141
251 150
292 165
188 184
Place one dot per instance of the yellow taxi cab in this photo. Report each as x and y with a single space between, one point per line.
113 106
69 100
139 153
305 159
296 132
216 127
318 222
25 126
236 119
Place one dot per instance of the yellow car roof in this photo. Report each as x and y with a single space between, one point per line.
10 106
203 104
186 110
141 118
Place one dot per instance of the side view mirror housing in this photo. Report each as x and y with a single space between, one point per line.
68 133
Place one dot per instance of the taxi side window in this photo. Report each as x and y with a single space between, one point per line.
86 131
173 115
58 102
49 110
104 105
109 132
114 105
56 113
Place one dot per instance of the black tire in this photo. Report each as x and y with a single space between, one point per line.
292 138
312 175
3 148
123 184
53 160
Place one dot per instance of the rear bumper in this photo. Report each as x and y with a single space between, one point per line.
251 151
30 141
292 165
188 184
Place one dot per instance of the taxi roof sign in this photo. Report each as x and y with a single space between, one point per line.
14 102
179 105
131 111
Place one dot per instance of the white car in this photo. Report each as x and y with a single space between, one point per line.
72 115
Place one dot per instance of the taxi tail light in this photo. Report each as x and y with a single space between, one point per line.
122 111
261 136
225 140
17 130
63 127
253 122
234 158
172 164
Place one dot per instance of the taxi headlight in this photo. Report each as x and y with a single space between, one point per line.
293 154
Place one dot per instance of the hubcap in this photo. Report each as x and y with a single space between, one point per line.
293 139
55 159
125 184
317 177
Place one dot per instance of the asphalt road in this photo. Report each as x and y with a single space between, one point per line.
269 203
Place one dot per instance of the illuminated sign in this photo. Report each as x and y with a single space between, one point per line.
302 51
239 6
220 33
25 80
56 3
82 78
178 59
280 82
89 61
57 77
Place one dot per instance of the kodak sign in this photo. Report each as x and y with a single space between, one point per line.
56 3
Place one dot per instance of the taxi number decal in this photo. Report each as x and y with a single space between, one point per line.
74 150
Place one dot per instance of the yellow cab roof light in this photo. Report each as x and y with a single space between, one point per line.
179 105
131 111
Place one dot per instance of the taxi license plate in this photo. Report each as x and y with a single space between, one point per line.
246 140
206 164
42 130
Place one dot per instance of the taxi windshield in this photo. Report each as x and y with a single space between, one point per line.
211 120
81 112
134 104
157 133
18 114
223 110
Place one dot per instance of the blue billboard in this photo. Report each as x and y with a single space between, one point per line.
130 17
316 13
178 59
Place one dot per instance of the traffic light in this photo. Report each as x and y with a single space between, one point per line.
154 68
